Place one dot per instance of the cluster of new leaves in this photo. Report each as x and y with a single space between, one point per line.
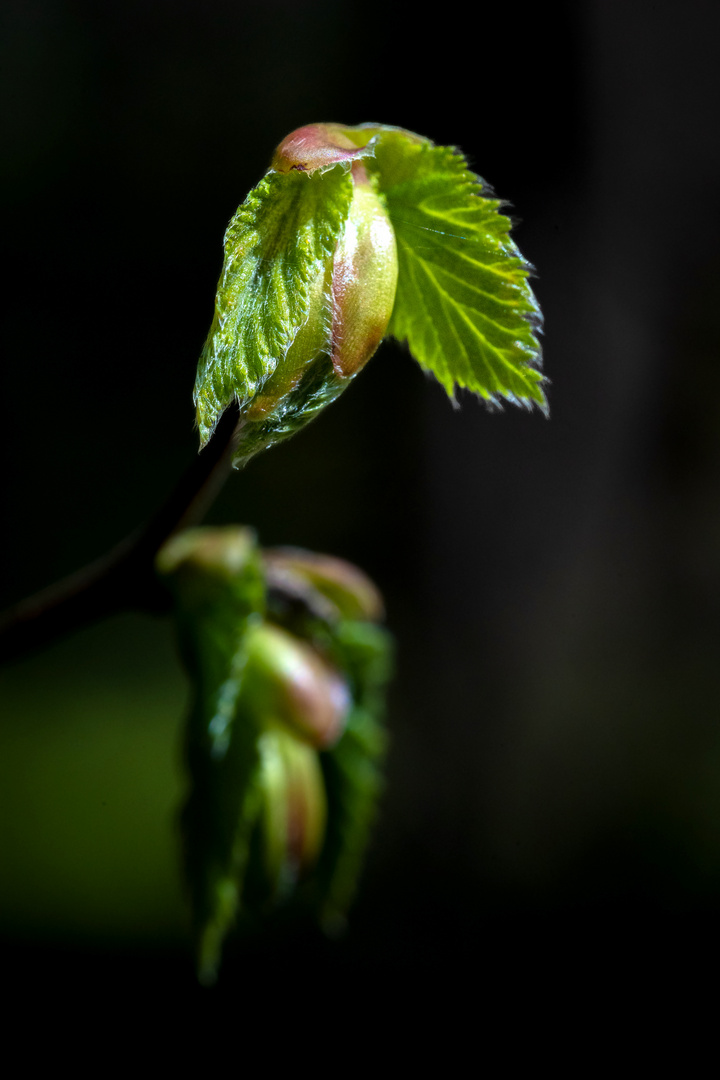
284 737
462 301
354 233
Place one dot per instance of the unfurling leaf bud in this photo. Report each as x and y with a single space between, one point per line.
350 303
287 681
345 590
284 742
355 233
307 288
294 807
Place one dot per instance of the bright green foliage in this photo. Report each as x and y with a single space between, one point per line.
354 233
463 302
317 389
284 739
275 246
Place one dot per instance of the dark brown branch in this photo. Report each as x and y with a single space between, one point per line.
124 579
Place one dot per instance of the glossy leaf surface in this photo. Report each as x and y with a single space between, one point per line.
276 247
307 291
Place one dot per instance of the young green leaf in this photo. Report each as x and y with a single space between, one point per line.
276 247
353 233
463 302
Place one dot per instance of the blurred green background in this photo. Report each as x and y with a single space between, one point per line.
554 586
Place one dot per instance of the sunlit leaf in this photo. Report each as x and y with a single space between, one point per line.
275 247
463 302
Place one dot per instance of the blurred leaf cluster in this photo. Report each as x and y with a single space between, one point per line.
284 740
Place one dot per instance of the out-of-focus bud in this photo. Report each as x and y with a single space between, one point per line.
349 592
294 806
209 567
287 681
351 297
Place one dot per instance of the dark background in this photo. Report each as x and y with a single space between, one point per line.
554 781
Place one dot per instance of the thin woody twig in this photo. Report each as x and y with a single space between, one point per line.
124 579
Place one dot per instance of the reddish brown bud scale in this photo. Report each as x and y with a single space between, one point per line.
352 296
315 146
348 295
364 279
364 265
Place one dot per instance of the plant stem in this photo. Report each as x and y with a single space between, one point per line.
124 579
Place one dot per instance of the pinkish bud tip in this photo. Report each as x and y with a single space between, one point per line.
315 146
